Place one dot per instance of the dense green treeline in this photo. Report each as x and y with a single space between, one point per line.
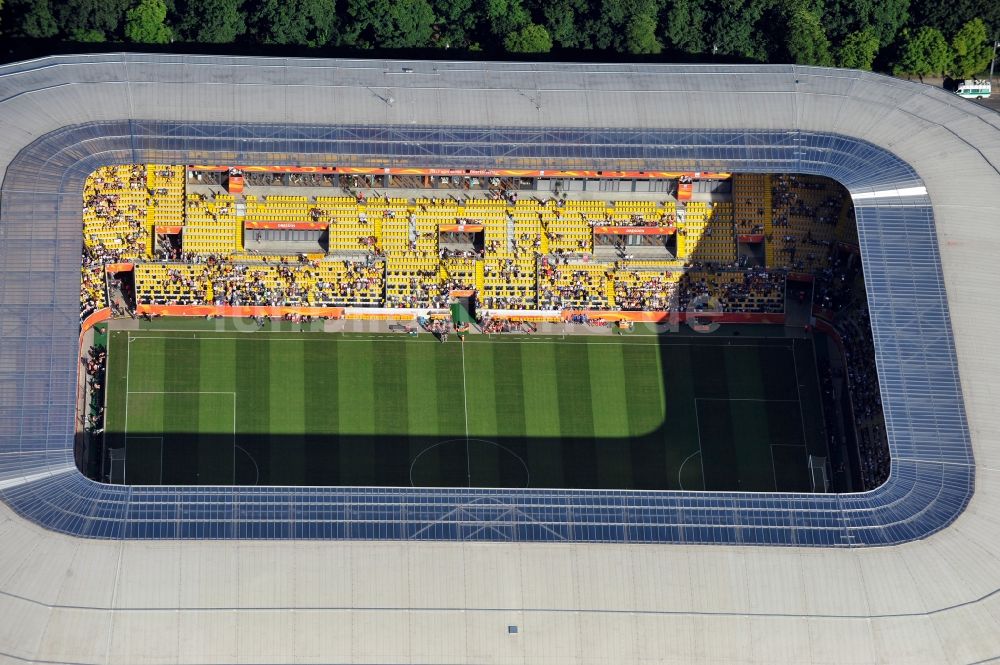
922 37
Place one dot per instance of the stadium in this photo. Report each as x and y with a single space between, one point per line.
584 566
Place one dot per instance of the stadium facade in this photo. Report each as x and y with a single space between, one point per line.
176 575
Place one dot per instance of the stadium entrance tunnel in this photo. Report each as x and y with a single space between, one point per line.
932 469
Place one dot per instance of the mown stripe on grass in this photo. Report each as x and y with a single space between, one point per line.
509 409
322 441
610 409
218 411
451 458
391 386
356 411
679 431
422 411
709 362
216 449
811 397
217 364
541 415
146 360
480 386
645 398
181 375
286 405
715 422
752 446
114 418
576 416
253 408
777 371
509 390
745 369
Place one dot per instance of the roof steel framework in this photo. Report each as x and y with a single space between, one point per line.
928 220
932 473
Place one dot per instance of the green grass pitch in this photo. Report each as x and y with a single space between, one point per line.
309 408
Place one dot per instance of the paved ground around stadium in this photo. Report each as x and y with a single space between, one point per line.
673 411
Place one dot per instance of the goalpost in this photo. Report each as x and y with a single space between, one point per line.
818 475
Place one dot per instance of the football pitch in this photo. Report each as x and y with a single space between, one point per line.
692 412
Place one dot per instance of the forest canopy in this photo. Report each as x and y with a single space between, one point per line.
912 37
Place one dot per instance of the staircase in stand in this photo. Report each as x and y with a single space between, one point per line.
480 276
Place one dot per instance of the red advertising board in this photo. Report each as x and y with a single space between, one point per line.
238 311
460 228
680 317
751 238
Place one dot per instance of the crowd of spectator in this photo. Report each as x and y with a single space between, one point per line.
645 291
422 288
806 213
566 286
223 280
854 326
95 363
751 290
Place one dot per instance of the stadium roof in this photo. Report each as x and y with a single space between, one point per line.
922 168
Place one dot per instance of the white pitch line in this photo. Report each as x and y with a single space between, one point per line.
798 391
234 440
701 456
774 469
465 402
743 399
680 469
316 337
182 392
128 371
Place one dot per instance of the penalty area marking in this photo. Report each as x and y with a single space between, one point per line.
680 469
181 392
527 473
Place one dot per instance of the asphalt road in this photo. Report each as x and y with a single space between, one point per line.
993 102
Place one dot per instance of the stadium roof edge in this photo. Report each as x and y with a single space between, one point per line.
67 114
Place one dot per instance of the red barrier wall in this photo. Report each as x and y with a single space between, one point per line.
239 312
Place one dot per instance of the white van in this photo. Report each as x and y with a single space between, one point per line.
974 89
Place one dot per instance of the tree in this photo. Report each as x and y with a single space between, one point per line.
734 30
532 38
884 17
211 21
807 42
972 49
87 17
686 26
456 22
506 17
145 23
391 23
299 22
923 53
563 19
640 35
88 36
858 50
32 18
948 17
